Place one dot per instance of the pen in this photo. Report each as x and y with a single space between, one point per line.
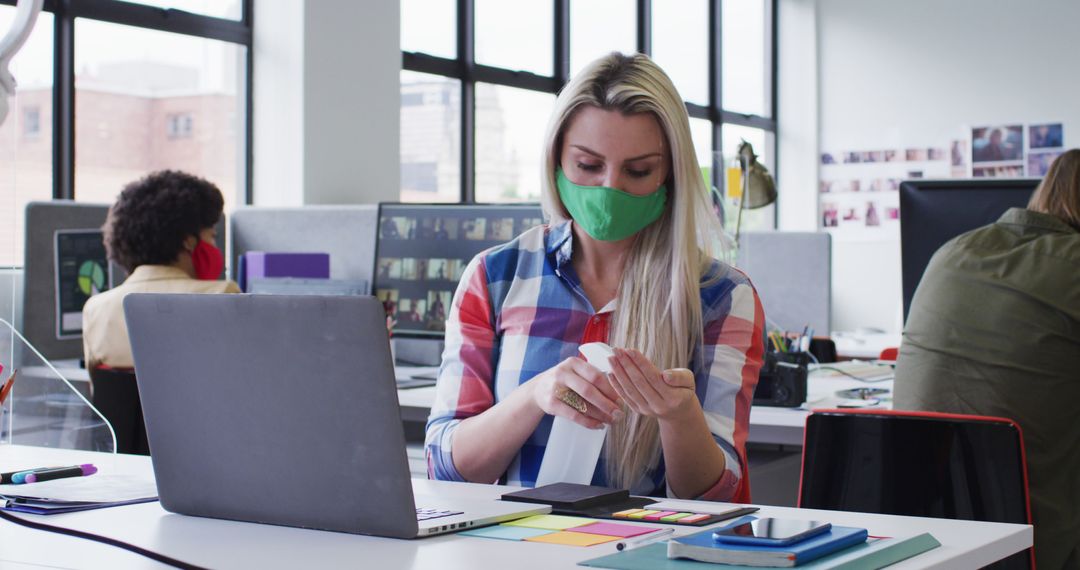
650 538
51 474
6 389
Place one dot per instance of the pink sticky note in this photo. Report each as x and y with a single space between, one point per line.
614 529
658 516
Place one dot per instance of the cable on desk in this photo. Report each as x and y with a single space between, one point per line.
846 373
102 539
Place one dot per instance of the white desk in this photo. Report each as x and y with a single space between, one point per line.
777 426
225 544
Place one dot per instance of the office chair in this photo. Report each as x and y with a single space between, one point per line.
116 396
920 464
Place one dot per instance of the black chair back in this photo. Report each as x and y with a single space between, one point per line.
116 395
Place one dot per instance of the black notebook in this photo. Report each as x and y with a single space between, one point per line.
605 503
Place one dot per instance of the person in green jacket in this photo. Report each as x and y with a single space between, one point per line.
994 329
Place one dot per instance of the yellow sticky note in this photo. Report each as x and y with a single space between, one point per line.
642 514
572 538
734 183
551 522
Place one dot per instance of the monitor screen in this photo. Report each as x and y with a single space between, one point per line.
422 251
933 212
82 271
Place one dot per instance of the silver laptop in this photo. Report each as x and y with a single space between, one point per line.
283 410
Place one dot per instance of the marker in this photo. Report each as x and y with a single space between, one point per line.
650 538
9 477
61 473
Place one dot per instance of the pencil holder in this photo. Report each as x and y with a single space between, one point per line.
782 381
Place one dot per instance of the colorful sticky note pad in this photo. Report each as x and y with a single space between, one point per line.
551 522
614 529
626 513
658 516
641 514
675 517
569 538
504 532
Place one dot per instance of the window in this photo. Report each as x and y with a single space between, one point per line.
126 101
26 155
500 64
178 126
31 125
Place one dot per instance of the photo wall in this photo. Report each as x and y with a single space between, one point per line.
858 188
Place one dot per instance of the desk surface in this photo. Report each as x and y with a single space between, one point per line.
778 426
226 544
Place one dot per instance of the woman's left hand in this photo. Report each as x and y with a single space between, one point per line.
646 389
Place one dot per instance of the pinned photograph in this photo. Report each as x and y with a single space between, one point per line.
997 144
1038 163
1050 135
892 156
825 186
936 153
998 171
830 215
872 218
915 154
827 158
852 157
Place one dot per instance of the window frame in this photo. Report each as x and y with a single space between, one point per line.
140 16
465 69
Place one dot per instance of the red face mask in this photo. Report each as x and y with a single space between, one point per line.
208 261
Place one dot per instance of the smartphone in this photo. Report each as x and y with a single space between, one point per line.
771 532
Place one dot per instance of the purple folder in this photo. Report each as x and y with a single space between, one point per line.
263 264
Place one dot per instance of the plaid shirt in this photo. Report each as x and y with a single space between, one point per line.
520 309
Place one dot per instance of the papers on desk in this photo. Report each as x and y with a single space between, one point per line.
865 371
77 494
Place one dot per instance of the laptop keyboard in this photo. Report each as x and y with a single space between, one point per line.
426 514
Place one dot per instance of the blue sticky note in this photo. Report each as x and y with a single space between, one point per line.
506 532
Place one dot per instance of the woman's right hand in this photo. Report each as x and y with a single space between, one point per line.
602 404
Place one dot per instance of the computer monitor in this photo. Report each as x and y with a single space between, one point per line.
82 271
422 250
933 212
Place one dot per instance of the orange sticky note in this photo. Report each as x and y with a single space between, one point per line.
626 513
569 538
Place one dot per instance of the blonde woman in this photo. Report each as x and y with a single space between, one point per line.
625 259
994 330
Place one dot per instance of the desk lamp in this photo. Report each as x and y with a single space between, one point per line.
758 187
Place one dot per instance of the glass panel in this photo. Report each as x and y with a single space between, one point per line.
429 26
509 141
174 102
762 218
26 159
430 138
516 35
231 9
598 27
680 44
43 408
745 67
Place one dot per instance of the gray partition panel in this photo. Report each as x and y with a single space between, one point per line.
347 233
39 278
792 272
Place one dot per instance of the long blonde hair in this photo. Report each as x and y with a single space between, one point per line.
1059 192
661 318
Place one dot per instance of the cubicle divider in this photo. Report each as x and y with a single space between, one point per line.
347 233
792 272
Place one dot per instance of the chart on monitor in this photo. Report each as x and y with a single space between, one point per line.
82 271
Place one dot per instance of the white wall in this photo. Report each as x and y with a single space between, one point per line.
326 102
918 73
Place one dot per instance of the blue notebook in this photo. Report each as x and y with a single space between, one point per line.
702 546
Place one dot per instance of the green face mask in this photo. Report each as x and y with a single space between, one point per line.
609 214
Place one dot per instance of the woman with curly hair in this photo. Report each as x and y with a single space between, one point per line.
161 230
